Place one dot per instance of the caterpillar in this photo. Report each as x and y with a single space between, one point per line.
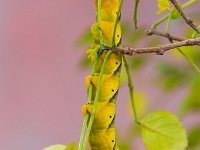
102 135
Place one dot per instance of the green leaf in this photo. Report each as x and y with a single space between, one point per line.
71 146
163 5
162 130
195 34
194 137
56 147
175 14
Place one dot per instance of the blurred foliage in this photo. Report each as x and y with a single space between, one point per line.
137 62
86 38
192 100
194 137
84 62
171 76
124 145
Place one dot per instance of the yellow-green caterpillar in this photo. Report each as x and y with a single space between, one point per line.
102 135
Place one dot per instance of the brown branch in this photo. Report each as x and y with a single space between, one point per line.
159 33
188 20
158 50
170 37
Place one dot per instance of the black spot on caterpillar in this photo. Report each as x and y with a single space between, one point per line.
114 97
119 16
120 41
118 69
111 125
115 146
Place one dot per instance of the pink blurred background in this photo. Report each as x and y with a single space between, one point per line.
41 84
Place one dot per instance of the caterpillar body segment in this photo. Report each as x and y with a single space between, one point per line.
107 15
102 135
109 10
109 86
104 115
103 139
103 31
110 5
113 65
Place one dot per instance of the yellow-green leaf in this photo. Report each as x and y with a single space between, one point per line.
175 14
71 146
56 147
162 130
163 5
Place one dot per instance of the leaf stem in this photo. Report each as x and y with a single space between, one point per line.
99 11
131 89
168 23
191 61
117 19
84 126
135 13
96 100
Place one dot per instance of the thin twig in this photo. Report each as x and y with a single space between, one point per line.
158 50
188 20
169 36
